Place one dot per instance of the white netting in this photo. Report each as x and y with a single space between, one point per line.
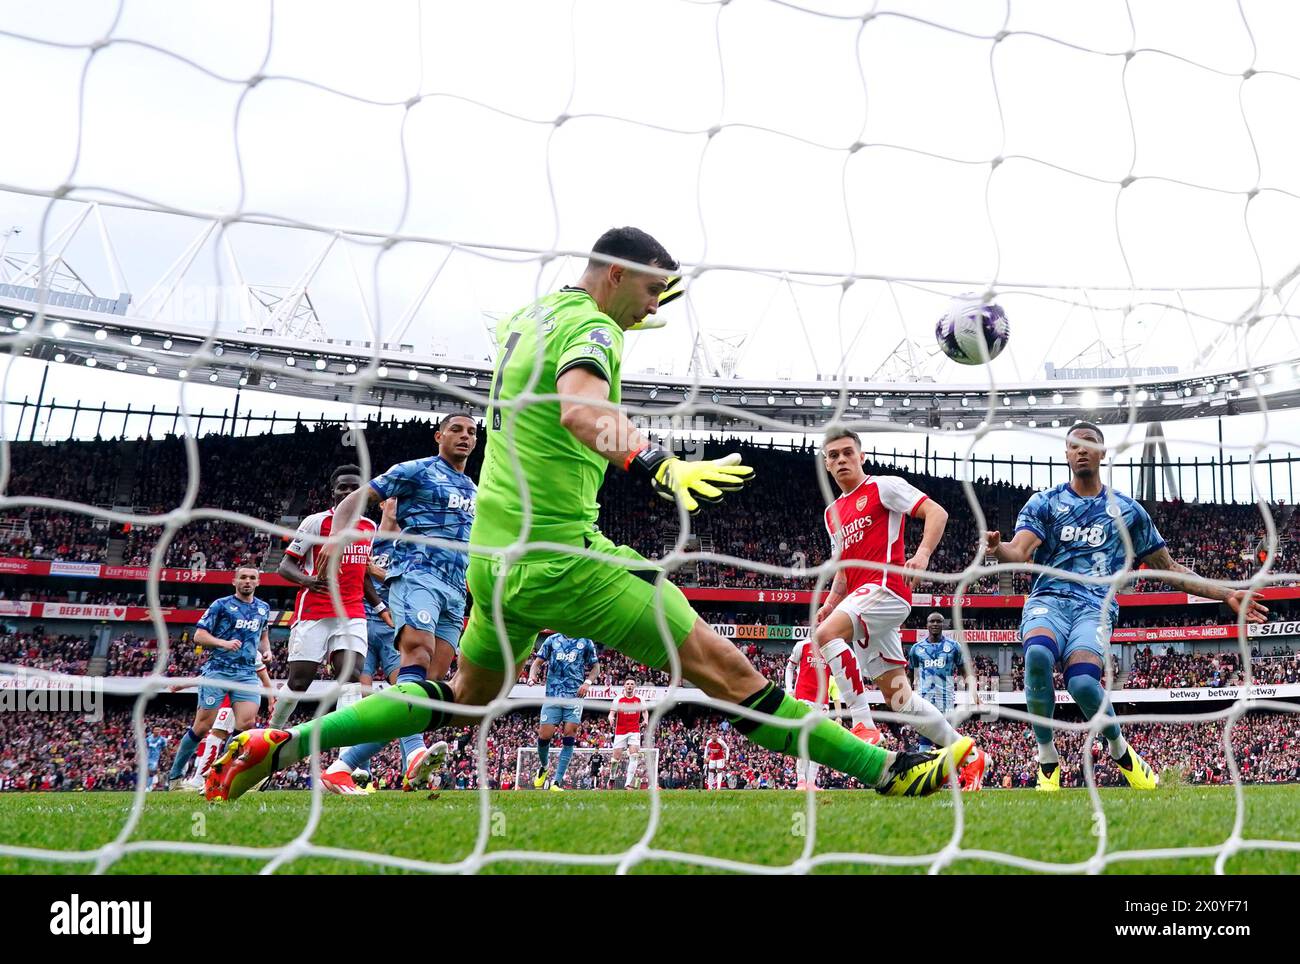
777 142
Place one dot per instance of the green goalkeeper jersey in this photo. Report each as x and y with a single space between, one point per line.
562 475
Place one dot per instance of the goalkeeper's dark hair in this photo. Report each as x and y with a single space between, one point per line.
631 244
344 470
1086 425
835 434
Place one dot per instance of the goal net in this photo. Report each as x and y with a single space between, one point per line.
339 210
591 768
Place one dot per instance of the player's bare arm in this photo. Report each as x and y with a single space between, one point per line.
294 573
606 431
587 680
935 518
1020 549
535 671
839 586
204 638
1187 580
375 600
610 434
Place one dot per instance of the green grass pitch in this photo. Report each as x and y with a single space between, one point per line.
763 827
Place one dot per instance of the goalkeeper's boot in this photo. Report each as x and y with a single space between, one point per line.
867 734
1049 782
539 781
971 775
556 788
1136 772
920 774
423 764
340 783
248 759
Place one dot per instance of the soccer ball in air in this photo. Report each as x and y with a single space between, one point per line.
972 332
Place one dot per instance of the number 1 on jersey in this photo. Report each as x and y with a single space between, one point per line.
501 374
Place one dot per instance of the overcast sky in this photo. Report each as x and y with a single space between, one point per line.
464 146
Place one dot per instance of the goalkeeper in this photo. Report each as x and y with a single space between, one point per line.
545 462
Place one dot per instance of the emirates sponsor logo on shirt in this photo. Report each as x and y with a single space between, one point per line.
853 531
357 553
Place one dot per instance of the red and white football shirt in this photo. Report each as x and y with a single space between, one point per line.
866 525
318 604
627 715
812 677
715 749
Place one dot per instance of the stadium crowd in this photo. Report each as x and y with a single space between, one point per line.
271 475
1178 670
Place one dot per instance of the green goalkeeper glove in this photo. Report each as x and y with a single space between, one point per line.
673 290
674 478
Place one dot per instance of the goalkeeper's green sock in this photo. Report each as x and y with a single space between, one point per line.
376 719
828 742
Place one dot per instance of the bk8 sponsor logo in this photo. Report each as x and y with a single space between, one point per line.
1091 535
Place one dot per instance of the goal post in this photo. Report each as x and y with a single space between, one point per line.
580 774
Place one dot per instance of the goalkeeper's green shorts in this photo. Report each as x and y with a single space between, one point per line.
576 595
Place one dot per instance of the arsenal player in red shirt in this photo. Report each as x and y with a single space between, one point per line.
627 715
319 632
867 603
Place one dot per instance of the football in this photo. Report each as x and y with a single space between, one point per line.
972 332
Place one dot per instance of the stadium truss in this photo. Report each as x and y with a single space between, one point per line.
125 334
288 350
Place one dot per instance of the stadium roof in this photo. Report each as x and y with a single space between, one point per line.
403 378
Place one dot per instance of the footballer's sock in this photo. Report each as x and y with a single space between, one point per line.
860 710
207 753
1040 697
285 701
414 673
543 753
409 745
632 760
566 754
379 718
349 695
813 770
415 741
1083 680
844 667
928 721
355 758
828 742
189 743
